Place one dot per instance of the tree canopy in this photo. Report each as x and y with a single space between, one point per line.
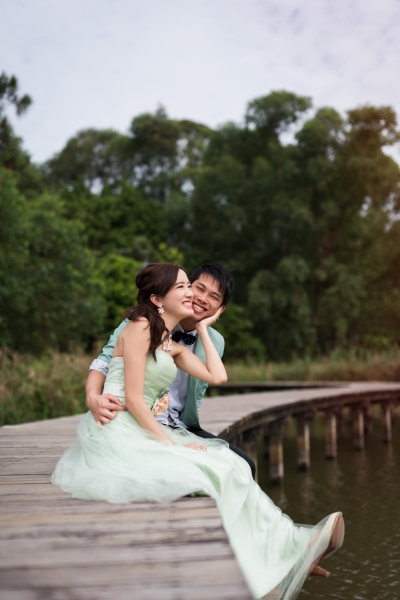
310 228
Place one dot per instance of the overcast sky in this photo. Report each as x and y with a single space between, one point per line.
98 63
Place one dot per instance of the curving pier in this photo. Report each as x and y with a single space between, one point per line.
57 548
241 419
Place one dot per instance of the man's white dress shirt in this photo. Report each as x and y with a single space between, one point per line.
177 390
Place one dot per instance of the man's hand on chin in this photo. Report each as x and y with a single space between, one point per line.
104 407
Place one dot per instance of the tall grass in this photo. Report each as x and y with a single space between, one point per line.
340 366
53 385
32 388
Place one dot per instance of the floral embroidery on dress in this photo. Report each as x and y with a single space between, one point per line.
161 404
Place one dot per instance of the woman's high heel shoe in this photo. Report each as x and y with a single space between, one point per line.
334 527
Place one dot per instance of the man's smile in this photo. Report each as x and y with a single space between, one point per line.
198 309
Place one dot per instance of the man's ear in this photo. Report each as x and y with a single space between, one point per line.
156 300
222 308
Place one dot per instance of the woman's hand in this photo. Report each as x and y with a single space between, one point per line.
210 371
205 323
194 446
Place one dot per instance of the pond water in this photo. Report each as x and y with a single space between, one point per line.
365 486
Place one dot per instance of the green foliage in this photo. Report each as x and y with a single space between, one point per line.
240 343
65 303
12 155
14 254
166 254
8 95
159 156
93 156
279 303
363 365
276 112
309 229
117 277
49 296
125 222
48 387
304 227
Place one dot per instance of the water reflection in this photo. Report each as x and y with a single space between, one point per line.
365 486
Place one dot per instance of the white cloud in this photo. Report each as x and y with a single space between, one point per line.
100 62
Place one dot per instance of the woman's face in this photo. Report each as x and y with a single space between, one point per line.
178 301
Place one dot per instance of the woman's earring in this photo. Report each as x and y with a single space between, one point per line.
160 309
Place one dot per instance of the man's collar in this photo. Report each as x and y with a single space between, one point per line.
180 328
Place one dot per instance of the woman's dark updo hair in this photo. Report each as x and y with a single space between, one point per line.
157 279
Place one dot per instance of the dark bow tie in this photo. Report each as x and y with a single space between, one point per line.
187 338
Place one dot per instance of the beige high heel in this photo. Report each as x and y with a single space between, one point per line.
335 529
337 534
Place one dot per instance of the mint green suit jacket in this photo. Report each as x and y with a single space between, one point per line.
196 389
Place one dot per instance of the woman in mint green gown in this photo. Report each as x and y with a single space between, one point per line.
135 458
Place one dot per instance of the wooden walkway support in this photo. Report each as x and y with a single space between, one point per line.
275 451
330 434
358 427
387 421
303 441
53 546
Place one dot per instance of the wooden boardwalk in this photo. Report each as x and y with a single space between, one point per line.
229 416
53 547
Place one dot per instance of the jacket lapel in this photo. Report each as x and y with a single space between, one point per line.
191 396
196 388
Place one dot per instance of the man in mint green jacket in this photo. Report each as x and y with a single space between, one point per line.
212 288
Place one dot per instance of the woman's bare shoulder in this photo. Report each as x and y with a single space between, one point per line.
136 328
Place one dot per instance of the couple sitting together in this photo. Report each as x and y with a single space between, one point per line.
142 440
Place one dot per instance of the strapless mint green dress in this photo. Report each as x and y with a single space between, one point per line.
121 463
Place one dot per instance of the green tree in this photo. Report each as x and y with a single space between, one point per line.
301 225
116 275
280 309
14 254
309 229
49 295
9 95
12 155
92 156
165 152
114 221
160 155
240 342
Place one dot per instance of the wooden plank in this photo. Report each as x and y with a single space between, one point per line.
54 546
35 555
219 591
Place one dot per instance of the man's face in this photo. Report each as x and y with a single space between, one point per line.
207 297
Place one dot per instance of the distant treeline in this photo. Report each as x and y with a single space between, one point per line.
310 228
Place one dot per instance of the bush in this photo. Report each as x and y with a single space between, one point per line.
116 275
240 343
49 296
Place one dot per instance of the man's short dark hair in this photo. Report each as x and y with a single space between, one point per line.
220 274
